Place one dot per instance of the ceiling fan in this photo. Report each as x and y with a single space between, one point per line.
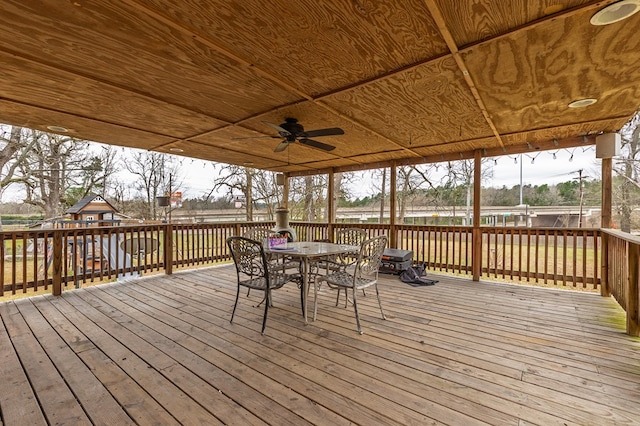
293 131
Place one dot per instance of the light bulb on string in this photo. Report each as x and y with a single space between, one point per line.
533 158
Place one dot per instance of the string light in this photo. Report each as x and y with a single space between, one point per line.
533 158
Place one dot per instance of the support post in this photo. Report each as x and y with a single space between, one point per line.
606 221
285 191
331 197
393 237
168 249
476 232
331 200
57 263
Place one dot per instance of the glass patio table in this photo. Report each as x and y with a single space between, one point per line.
305 251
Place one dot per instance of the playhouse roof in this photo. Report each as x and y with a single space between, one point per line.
86 201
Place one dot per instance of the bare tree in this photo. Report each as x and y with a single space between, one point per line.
14 147
410 179
252 184
629 172
49 166
156 175
11 143
461 173
307 196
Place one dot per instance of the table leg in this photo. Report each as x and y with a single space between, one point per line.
305 287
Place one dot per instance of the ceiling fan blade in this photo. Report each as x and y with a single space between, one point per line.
282 146
281 131
316 144
324 132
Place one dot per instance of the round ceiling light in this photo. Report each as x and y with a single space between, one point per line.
176 149
582 103
615 12
58 129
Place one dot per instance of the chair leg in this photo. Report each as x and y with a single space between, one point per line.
316 287
355 308
235 304
267 296
302 295
379 302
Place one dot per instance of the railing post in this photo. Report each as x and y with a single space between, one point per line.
168 249
476 233
393 236
633 295
56 263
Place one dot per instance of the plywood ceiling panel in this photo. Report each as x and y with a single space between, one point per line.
36 118
318 46
528 79
472 21
436 105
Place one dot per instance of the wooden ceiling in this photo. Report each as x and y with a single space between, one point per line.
408 81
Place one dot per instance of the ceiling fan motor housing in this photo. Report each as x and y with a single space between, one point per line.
292 126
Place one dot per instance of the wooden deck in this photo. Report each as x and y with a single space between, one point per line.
161 350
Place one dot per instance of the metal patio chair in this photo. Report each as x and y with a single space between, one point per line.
254 271
364 274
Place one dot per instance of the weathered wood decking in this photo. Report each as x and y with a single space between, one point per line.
161 350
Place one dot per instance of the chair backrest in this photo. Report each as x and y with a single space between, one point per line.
248 256
351 236
370 257
258 234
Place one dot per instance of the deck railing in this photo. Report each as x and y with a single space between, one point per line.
592 259
552 256
69 258
621 268
565 257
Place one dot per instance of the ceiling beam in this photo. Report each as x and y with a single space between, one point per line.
523 148
453 48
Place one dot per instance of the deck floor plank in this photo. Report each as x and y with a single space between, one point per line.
138 404
161 350
170 340
18 401
268 361
344 362
57 401
95 399
117 342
